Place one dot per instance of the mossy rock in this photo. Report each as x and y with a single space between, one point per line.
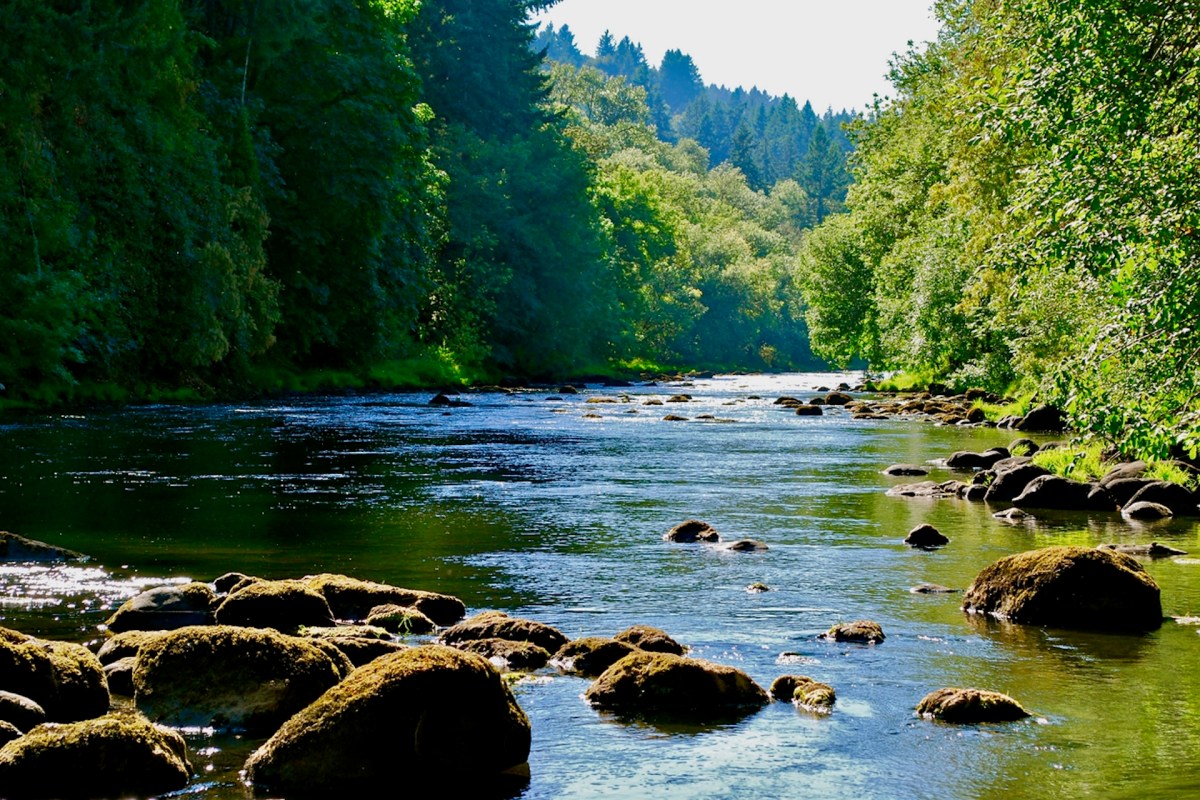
661 683
363 650
18 549
63 678
650 639
344 632
119 675
231 581
591 655
117 755
861 631
1068 587
428 710
400 620
353 599
967 706
283 605
20 711
692 530
230 677
165 608
125 644
498 625
507 655
804 692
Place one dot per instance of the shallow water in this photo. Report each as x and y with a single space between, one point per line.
522 503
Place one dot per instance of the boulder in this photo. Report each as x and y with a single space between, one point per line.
445 401
21 712
758 587
230 677
652 640
661 683
119 675
1125 471
353 599
928 489
498 625
1013 516
114 756
905 469
400 620
968 706
932 588
861 631
837 398
1143 510
1055 492
976 492
63 678
9 732
1010 483
1068 587
1043 418
361 650
1181 501
965 460
1152 550
226 583
428 710
692 530
125 644
1122 490
16 548
925 536
283 605
809 411
507 655
165 608
1024 446
804 692
591 655
746 546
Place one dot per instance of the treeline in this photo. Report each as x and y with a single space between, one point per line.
220 195
1025 215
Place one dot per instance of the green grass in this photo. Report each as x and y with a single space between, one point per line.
1082 463
1167 471
998 411
906 382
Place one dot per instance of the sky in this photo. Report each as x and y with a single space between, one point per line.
833 53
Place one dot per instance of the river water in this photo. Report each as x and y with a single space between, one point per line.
523 502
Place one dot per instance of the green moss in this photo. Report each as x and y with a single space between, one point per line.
970 706
63 678
353 599
661 683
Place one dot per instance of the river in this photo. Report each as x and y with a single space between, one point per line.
523 502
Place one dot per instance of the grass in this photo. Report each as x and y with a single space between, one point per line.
998 411
905 382
1167 471
1082 463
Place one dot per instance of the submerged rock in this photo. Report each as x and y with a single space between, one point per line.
430 710
283 605
165 608
19 549
1068 587
591 655
929 489
905 469
1054 492
1181 501
1013 516
809 411
932 588
653 640
968 706
498 625
65 679
861 631
746 546
1152 550
1143 510
230 677
661 683
925 537
758 588
804 692
692 530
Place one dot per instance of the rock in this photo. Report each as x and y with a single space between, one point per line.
968 706
816 401
125 644
352 599
8 732
975 493
507 655
601 400
361 650
928 489
1013 516
1068 587
230 677
567 388
861 631
905 469
787 401
1181 501
441 399
1122 490
165 608
809 411
658 683
119 675
19 549
63 678
498 625
965 460
1143 510
283 605
652 640
400 620
804 692
114 756
226 583
591 655
837 398
746 546
693 530
1152 550
429 710
1025 447
932 588
925 536
1043 418
1054 492
1125 471
1010 483
758 588
21 712
674 418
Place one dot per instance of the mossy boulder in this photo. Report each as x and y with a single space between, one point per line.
591 655
283 605
498 625
661 683
426 710
165 608
362 649
861 631
125 644
63 678
20 711
117 755
1068 587
353 599
231 580
231 677
692 530
19 549
507 655
650 639
400 620
968 706
804 692
809 411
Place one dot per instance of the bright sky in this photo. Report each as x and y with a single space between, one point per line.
832 52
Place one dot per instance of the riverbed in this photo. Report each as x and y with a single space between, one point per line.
547 506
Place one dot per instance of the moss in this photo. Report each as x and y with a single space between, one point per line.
861 631
344 631
124 644
804 692
282 605
353 599
64 678
591 656
513 655
967 706
115 755
661 683
400 620
498 625
650 639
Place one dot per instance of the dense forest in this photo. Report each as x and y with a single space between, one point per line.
1024 215
208 197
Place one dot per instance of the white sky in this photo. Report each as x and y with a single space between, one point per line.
832 52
